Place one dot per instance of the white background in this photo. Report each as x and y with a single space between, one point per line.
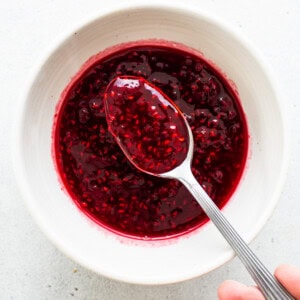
30 266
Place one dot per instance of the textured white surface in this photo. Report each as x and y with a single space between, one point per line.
30 266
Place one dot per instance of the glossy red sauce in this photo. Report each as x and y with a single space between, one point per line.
101 180
146 124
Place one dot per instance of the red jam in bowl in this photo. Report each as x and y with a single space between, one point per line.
98 176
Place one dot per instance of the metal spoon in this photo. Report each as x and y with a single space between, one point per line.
266 282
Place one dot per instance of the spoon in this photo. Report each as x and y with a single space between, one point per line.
156 138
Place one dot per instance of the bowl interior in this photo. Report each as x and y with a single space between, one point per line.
139 261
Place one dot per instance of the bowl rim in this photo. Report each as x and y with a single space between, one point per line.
175 6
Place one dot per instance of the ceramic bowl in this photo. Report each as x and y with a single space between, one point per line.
146 262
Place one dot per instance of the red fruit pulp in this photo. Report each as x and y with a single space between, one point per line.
99 177
146 124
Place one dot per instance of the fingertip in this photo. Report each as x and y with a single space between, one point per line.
233 290
285 270
289 277
230 289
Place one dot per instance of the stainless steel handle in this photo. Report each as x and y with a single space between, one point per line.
266 282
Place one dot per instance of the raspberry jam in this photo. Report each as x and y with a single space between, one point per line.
146 124
97 174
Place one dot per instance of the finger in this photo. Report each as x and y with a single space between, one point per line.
232 290
289 277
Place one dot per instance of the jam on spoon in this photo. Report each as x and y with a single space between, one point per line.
145 124
132 105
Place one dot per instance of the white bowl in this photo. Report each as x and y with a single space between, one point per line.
146 262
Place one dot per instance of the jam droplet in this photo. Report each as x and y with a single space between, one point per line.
147 125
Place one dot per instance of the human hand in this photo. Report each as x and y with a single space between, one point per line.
288 276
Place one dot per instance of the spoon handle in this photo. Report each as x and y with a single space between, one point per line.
267 283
